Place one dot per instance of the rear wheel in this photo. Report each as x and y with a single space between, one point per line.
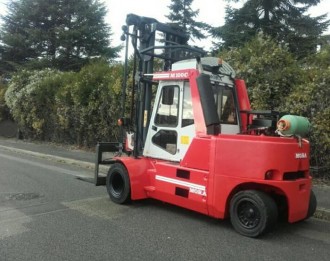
252 212
312 205
118 184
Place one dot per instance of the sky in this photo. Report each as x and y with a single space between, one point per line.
210 11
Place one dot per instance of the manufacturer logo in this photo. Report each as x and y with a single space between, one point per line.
301 155
197 191
179 75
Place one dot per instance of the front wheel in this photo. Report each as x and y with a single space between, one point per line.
118 184
252 213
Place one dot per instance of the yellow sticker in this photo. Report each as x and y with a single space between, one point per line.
145 118
185 140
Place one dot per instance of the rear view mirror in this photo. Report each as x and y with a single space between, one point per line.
168 95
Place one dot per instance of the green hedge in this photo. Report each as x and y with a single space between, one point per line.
277 81
3 106
80 108
269 71
312 99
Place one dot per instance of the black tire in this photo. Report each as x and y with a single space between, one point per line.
312 205
252 213
118 184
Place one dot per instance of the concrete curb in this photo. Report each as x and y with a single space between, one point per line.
87 165
320 213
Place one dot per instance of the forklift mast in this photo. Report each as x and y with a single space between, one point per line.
171 47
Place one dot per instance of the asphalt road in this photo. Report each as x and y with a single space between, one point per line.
46 213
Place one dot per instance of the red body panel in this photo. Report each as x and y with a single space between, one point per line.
244 102
171 188
242 161
223 164
248 156
138 170
197 106
201 159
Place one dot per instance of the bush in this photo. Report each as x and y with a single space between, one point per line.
4 111
77 108
269 71
312 99
276 81
30 97
88 105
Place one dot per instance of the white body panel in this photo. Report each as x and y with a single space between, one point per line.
173 151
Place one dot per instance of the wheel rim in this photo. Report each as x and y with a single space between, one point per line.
248 214
117 184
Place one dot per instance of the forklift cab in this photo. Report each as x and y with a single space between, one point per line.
173 120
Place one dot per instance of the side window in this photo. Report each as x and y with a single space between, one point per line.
187 109
168 107
228 111
225 102
167 140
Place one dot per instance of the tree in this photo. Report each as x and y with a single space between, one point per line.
183 16
63 34
283 20
270 71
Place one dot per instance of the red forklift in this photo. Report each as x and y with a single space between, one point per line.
192 139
